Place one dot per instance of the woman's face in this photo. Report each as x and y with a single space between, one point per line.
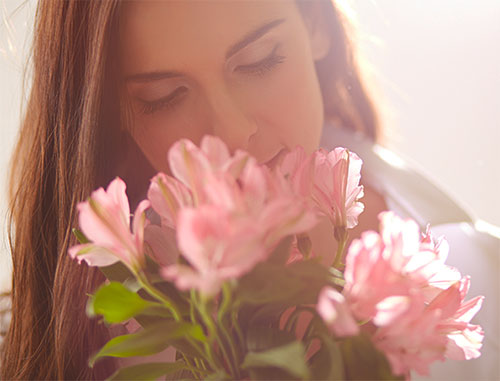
241 70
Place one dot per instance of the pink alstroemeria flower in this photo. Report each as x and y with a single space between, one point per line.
438 275
105 220
191 164
414 303
161 244
412 341
464 339
330 180
266 199
273 204
298 169
194 168
392 263
168 195
336 186
239 228
250 208
236 183
218 247
254 192
427 333
335 311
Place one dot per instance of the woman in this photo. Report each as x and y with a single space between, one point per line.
93 114
115 83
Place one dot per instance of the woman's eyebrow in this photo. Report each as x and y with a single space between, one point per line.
252 36
232 50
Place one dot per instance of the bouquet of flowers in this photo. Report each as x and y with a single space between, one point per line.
218 263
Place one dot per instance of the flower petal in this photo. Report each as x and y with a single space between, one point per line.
167 196
334 310
93 255
162 242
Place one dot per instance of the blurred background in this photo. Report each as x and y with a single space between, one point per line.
436 72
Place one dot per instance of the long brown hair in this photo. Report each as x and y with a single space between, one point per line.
64 151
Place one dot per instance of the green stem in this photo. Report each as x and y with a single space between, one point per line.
211 359
208 346
292 320
236 325
192 369
213 334
309 340
203 365
226 301
309 329
225 353
191 310
190 366
198 367
340 250
195 321
154 292
235 358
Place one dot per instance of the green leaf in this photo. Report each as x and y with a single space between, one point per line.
151 266
270 373
184 346
289 357
179 298
120 273
281 253
80 237
327 363
267 283
157 311
360 350
298 283
304 244
266 314
314 275
312 271
260 337
116 303
146 320
117 272
146 372
219 375
148 341
269 289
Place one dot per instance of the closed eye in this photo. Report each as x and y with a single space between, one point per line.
263 66
167 102
170 101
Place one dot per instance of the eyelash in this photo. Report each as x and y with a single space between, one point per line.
168 102
260 69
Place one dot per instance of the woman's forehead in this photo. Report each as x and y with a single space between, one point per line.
174 33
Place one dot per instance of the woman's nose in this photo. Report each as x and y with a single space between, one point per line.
230 120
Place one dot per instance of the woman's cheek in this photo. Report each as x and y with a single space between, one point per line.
156 133
292 104
273 96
